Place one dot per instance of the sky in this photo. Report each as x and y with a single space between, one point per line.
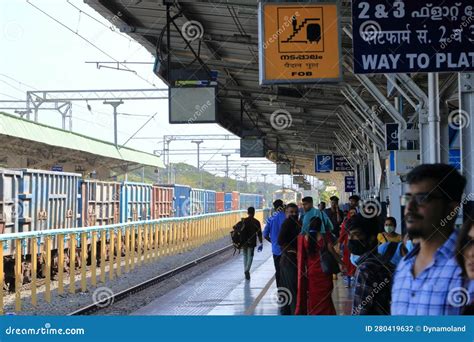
49 51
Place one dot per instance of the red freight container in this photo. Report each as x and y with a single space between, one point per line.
219 202
162 202
100 203
235 200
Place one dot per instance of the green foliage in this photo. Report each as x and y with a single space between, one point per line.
327 194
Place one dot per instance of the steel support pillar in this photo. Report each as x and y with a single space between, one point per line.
444 133
466 122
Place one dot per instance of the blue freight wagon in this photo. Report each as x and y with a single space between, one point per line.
210 204
228 201
247 200
135 202
181 199
197 202
259 202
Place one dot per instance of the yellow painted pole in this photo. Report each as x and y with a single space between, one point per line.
111 254
60 263
139 247
165 238
72 263
103 241
119 251
180 237
127 249
173 238
2 278
83 261
160 239
157 237
170 238
132 250
145 244
34 266
17 275
94 259
47 293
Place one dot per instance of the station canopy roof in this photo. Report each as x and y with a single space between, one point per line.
44 145
230 46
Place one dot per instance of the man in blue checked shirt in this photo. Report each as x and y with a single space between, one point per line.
271 232
428 280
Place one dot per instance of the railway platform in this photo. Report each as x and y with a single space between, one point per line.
223 291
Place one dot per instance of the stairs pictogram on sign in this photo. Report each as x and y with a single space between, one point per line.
304 33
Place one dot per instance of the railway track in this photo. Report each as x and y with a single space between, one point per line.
99 305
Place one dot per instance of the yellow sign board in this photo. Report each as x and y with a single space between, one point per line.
299 43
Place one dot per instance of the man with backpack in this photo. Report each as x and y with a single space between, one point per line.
374 272
245 236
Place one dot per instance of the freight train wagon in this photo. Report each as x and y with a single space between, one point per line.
99 203
251 200
181 198
135 202
220 199
235 200
210 202
163 198
197 202
228 201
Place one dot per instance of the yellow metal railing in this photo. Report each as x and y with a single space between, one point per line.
119 248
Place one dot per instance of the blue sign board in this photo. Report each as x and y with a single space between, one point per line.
57 168
455 158
323 163
349 184
412 36
341 164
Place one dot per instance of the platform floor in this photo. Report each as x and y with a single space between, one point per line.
223 290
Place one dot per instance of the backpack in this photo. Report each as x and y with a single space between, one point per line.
236 235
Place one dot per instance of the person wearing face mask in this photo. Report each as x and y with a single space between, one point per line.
428 278
395 251
287 239
373 275
389 234
465 259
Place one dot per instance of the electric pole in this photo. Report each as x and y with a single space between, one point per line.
198 143
115 104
